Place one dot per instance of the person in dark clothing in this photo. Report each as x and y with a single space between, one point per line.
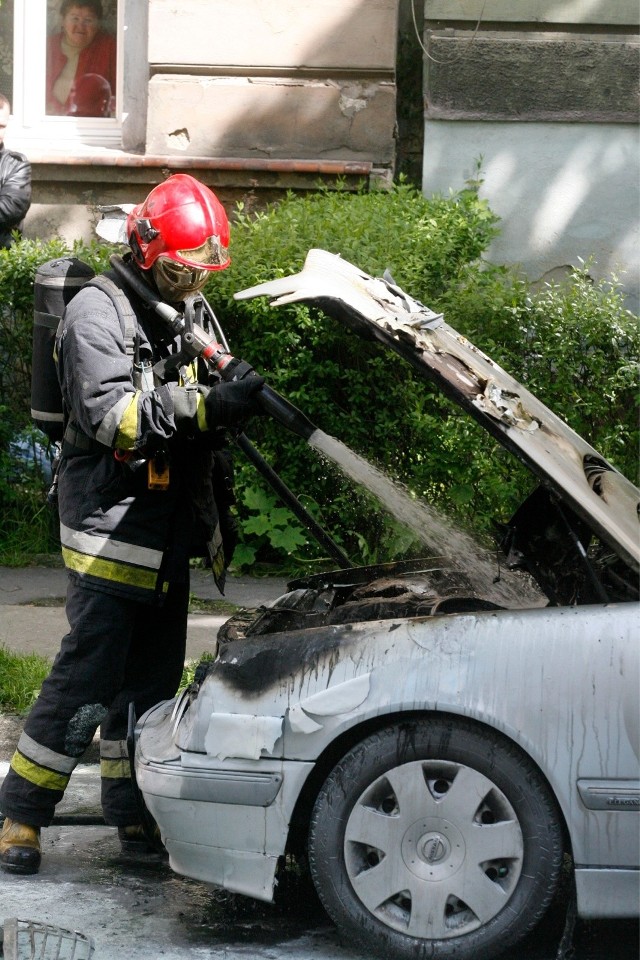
143 486
15 183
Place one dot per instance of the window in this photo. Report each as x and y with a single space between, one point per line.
63 75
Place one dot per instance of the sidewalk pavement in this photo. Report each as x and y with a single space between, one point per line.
32 617
32 620
138 910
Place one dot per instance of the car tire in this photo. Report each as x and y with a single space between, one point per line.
435 838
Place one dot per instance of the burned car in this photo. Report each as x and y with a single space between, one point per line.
436 745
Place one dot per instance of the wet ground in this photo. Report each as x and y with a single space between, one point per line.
143 911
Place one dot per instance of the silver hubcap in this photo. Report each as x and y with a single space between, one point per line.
433 849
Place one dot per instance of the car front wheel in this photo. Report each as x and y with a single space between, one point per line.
435 838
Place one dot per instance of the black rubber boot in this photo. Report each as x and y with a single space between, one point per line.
134 842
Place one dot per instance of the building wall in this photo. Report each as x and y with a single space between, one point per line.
252 97
293 79
546 101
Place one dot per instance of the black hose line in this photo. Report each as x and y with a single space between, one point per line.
271 402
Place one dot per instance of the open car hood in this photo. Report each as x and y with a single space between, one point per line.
570 470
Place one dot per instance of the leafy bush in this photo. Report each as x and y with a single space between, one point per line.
350 388
579 343
569 343
268 525
573 344
28 524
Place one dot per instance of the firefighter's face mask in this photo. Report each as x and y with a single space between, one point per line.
176 281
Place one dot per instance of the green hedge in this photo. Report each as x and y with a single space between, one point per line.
573 344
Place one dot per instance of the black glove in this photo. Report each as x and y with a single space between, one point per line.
231 404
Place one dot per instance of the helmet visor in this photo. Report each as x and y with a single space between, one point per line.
212 253
178 278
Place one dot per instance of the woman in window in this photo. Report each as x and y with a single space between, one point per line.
79 48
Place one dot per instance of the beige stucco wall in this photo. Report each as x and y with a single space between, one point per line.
331 35
296 79
271 117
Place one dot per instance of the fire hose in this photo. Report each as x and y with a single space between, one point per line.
196 342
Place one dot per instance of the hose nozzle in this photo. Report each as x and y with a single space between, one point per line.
197 343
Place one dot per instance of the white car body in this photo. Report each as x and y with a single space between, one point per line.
223 780
244 766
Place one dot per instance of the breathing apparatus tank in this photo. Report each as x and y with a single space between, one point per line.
56 283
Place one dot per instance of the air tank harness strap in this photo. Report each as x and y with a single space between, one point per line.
75 443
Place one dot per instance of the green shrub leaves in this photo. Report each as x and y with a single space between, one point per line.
573 344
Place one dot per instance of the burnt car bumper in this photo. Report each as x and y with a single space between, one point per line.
224 822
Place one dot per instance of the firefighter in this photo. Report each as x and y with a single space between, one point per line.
144 485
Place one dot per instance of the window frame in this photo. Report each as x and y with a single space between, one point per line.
30 123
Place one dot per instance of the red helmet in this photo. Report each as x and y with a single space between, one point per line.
183 220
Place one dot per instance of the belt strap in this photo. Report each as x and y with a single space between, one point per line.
76 442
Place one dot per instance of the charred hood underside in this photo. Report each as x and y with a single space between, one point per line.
417 588
577 535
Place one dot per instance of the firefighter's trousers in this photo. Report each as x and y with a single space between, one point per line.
116 652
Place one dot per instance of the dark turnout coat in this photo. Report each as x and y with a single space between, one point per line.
118 534
15 192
